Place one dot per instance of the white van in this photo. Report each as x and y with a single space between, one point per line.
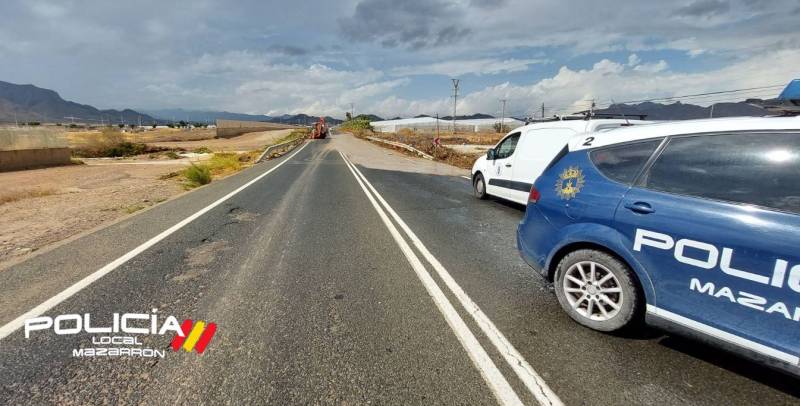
509 169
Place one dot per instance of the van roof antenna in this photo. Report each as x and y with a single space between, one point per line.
622 111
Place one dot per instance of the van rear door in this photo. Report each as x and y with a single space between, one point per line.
536 149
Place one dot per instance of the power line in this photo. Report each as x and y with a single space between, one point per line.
701 94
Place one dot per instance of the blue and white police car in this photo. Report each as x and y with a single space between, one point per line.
692 226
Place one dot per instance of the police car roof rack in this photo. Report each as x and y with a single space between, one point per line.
593 115
587 115
786 104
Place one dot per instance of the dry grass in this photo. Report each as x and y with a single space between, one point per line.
16 195
220 164
84 138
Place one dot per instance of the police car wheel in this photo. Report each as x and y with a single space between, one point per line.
597 290
479 186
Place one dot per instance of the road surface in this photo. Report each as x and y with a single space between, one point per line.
379 282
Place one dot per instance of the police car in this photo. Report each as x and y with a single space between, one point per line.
692 226
507 170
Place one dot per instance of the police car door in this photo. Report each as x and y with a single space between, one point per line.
714 223
501 167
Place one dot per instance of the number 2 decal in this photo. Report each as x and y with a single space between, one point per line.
588 142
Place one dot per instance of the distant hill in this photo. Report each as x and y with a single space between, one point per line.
681 111
30 103
469 117
203 116
301 119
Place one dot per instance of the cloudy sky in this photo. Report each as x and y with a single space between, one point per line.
395 57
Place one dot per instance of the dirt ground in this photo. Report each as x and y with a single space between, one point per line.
56 203
375 156
43 206
461 156
187 140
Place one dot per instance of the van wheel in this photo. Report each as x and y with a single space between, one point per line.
479 186
598 291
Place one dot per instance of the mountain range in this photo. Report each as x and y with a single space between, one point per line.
682 111
208 116
24 103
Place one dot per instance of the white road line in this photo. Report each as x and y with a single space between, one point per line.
466 177
535 384
494 378
13 325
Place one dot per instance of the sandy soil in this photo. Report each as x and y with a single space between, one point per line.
242 143
56 203
43 206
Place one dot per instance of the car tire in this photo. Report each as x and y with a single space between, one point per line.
597 300
479 187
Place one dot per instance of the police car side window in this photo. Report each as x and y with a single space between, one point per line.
622 162
507 147
761 169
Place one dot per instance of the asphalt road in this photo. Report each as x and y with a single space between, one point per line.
321 295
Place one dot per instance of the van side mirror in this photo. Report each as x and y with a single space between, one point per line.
491 154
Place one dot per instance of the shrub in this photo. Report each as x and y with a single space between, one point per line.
197 175
224 162
202 150
125 148
172 155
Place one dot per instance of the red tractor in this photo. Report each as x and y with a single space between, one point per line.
319 130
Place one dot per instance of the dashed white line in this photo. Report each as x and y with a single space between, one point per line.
533 382
466 177
491 374
13 325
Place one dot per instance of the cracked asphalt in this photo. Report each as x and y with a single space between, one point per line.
315 303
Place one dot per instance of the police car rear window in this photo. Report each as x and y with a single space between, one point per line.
622 162
754 168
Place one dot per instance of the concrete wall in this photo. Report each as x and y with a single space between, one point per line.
33 158
232 128
22 148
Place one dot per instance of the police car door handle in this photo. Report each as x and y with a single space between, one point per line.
640 207
508 165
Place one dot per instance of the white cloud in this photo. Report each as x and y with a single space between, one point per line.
655 67
486 66
570 90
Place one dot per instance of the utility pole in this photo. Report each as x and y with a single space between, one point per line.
16 123
712 112
352 111
503 115
542 110
437 124
455 101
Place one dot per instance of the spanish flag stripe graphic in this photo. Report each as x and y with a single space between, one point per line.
178 340
191 340
205 338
